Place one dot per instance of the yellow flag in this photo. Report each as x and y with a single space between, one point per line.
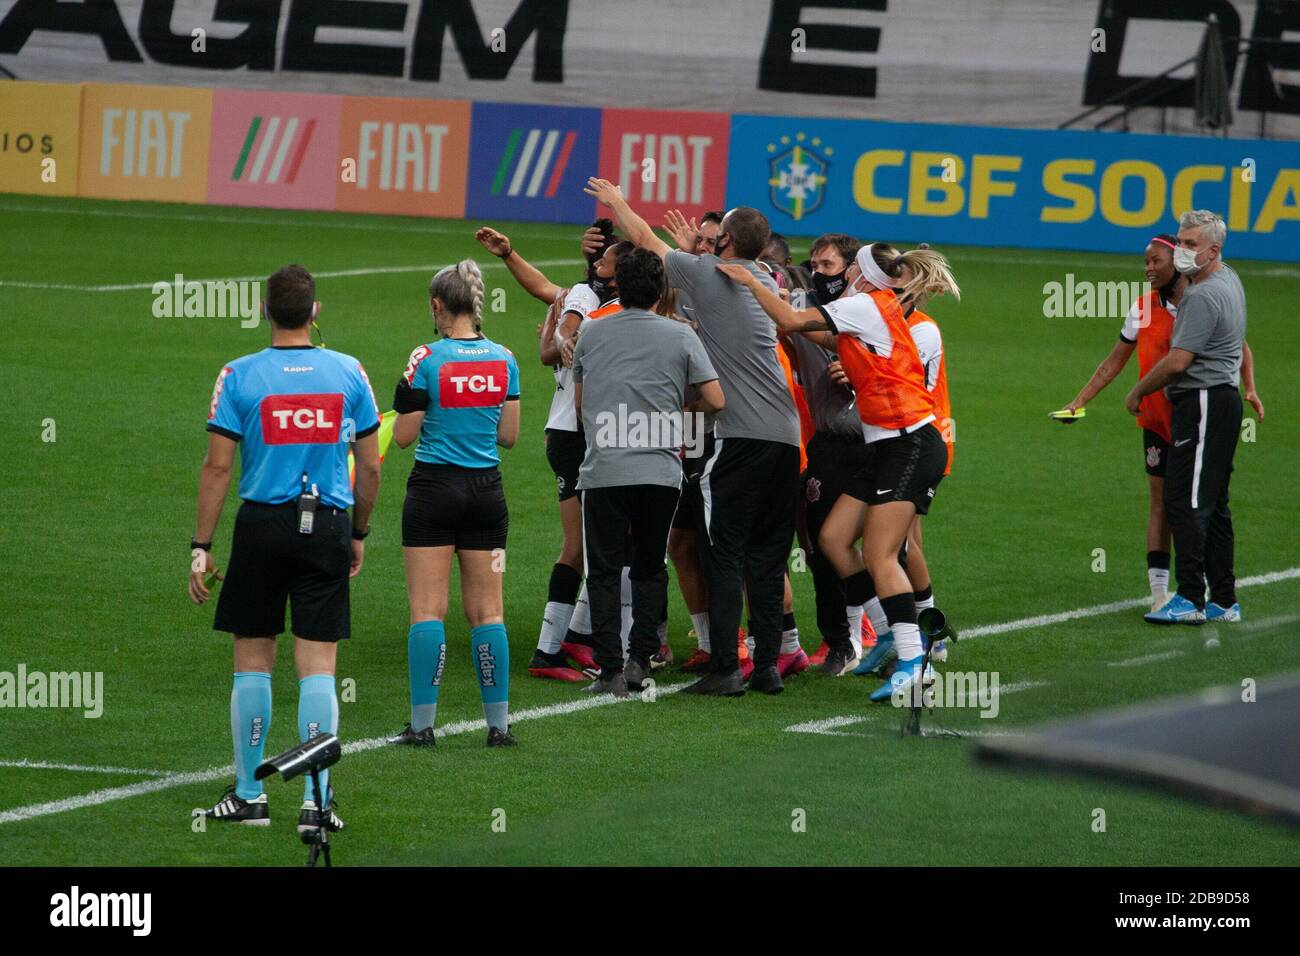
386 421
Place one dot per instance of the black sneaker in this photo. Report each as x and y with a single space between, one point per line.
840 661
309 818
500 738
766 680
415 738
635 673
613 683
231 808
729 684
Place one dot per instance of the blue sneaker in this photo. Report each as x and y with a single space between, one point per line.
904 675
1217 612
878 656
1177 610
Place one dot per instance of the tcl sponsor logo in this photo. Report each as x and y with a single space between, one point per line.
311 419
472 384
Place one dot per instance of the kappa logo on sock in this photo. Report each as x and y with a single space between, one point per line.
442 662
487 665
255 737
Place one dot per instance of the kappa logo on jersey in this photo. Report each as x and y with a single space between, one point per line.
419 355
275 151
473 384
312 419
538 162
216 390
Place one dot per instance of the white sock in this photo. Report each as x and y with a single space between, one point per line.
555 623
749 641
790 641
580 622
625 631
1159 580
907 641
855 628
700 622
923 603
876 615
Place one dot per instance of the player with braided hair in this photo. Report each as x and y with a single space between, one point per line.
460 397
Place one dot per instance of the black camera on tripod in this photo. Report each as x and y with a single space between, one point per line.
312 756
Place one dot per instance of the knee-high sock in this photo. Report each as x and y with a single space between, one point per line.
318 713
426 654
580 622
492 661
250 722
560 600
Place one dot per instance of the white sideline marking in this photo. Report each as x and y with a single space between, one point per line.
464 228
827 726
45 765
110 794
1044 620
1022 685
203 776
334 274
1145 659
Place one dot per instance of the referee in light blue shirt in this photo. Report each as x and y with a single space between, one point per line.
294 410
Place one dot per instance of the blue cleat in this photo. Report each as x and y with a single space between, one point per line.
904 675
1217 612
879 654
1177 610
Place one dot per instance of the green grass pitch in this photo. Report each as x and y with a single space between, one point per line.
93 561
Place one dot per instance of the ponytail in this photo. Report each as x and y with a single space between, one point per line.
930 276
461 289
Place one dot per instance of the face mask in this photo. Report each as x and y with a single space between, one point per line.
604 288
1185 261
828 287
720 247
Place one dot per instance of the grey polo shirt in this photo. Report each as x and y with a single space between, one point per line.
1212 324
741 342
634 367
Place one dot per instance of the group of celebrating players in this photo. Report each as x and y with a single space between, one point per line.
822 394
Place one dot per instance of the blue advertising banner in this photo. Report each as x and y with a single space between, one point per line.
1106 192
531 162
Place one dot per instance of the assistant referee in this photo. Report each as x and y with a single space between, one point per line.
294 410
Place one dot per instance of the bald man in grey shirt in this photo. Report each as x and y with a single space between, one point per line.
1200 374
750 486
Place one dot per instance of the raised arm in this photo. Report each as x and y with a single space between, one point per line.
786 317
527 275
633 226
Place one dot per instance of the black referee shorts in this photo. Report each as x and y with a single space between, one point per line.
450 505
270 561
903 468
564 453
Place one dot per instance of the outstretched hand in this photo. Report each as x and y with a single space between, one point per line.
494 242
604 191
737 273
686 233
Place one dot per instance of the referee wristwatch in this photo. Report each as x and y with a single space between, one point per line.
201 545
358 535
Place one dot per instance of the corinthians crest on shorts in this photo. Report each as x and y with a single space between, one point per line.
1153 456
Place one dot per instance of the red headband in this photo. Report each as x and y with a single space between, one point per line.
1163 242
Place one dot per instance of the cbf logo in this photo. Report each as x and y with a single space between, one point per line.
797 174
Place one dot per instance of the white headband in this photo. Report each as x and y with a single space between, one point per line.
872 272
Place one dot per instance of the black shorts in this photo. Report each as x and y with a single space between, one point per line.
1157 452
690 507
270 561
904 468
564 453
449 505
